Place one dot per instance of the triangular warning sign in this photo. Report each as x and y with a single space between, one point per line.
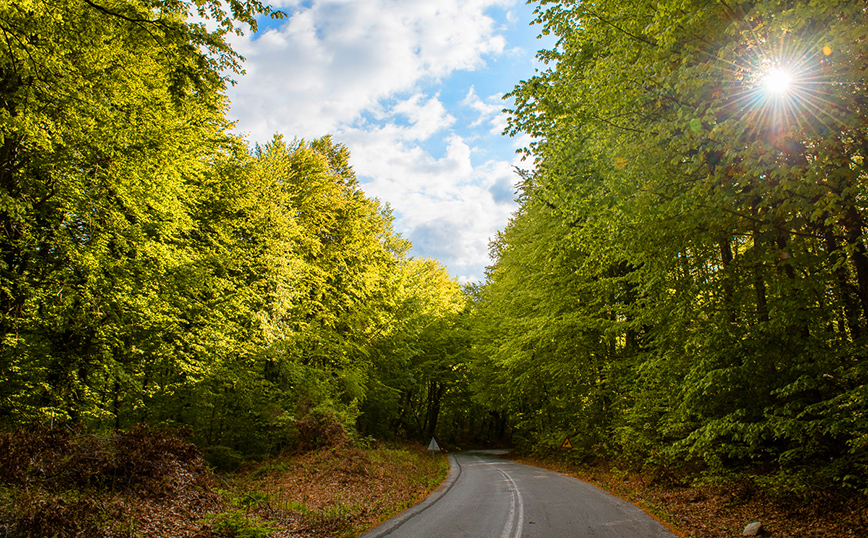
433 445
567 444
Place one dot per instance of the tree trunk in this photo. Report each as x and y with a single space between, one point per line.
759 285
858 256
845 289
726 258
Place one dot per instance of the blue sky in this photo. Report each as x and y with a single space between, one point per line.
413 88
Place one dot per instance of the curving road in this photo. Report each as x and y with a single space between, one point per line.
488 497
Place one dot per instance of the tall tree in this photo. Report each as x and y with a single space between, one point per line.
730 213
110 112
418 362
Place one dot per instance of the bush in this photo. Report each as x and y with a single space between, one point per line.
66 483
158 463
223 458
320 428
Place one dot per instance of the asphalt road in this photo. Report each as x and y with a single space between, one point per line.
488 497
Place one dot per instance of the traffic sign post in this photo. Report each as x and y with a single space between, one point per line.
433 447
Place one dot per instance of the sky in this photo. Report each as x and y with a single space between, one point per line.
414 89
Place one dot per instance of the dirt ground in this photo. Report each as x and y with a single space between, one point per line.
725 510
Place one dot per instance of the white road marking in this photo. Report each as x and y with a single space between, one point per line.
513 527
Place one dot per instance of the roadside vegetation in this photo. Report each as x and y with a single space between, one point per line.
340 491
146 483
683 290
720 507
684 286
157 269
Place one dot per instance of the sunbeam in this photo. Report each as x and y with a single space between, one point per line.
777 81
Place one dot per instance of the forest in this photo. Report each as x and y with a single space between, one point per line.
684 284
158 270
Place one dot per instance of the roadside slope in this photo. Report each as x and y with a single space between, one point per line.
723 510
146 483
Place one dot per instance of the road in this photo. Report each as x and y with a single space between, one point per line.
488 497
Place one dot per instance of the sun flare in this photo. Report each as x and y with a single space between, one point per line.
777 81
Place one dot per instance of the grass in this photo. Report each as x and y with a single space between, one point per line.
339 491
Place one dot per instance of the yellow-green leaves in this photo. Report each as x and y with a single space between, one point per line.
719 223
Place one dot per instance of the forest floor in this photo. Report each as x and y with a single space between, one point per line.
724 510
148 483
338 491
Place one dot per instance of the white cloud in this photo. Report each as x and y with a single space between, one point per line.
446 206
426 117
490 111
331 61
368 72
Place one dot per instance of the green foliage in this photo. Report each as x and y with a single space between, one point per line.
320 428
419 362
153 269
238 524
685 280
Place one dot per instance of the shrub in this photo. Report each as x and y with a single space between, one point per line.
320 428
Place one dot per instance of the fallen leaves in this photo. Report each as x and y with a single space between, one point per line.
74 484
723 510
147 483
341 490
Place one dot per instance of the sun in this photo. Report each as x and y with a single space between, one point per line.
777 81
787 86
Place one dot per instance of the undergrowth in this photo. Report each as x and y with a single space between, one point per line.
64 483
712 505
339 491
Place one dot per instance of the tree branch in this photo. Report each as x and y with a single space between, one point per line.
634 36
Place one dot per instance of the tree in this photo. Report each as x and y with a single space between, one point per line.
731 216
417 363
298 263
155 269
110 112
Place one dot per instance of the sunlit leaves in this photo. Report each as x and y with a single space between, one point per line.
151 267
737 212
